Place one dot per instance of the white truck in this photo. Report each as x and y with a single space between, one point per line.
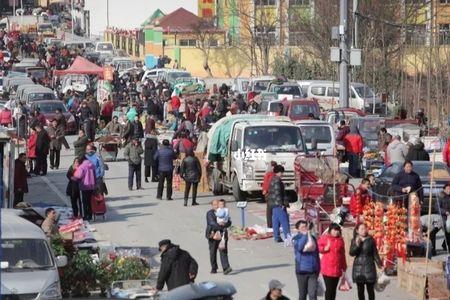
241 147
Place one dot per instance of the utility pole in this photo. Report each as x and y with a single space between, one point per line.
107 13
71 13
343 65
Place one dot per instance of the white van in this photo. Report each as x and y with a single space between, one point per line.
104 48
360 96
28 265
319 131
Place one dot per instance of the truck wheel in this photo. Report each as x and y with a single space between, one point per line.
217 187
237 193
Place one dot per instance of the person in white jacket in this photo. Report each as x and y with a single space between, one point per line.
396 150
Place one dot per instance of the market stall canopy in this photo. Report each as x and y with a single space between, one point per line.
81 66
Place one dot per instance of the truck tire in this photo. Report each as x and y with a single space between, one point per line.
217 187
237 193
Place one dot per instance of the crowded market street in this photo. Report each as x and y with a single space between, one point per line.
137 218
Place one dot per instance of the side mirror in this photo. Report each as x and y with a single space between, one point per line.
234 146
61 261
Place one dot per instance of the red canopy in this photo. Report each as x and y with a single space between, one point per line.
81 66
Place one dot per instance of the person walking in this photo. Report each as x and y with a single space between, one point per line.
20 178
278 204
265 191
80 144
333 264
177 267
85 175
307 262
42 149
215 232
99 167
55 135
191 172
275 291
31 150
165 157
61 126
353 143
73 189
364 250
132 154
150 146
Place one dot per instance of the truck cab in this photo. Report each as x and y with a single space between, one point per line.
252 144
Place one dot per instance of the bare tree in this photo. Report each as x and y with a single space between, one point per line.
206 35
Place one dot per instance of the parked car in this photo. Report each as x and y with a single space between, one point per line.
423 169
258 85
28 265
360 96
48 109
368 127
284 89
104 47
319 131
152 74
295 109
240 85
38 93
334 116
171 75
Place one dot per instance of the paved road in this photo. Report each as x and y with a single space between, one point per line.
136 218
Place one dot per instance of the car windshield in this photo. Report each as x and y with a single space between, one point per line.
41 96
244 85
364 92
27 254
273 138
37 73
287 90
369 127
124 64
303 110
322 134
261 85
51 107
423 170
45 27
175 75
105 47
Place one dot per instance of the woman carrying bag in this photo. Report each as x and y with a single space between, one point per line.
364 249
333 264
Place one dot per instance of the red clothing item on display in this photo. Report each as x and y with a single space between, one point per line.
333 261
446 153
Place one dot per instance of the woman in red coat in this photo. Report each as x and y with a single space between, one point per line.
5 117
31 149
332 264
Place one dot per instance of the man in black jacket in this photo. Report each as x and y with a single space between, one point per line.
211 228
277 202
42 149
407 181
177 266
417 152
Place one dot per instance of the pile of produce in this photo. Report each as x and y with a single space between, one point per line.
371 155
378 224
369 217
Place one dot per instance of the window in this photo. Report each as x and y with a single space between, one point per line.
188 43
416 35
333 92
444 34
445 1
213 43
318 91
298 2
265 2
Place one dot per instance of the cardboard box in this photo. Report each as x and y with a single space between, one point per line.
415 278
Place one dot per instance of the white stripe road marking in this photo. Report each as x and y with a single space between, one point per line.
55 190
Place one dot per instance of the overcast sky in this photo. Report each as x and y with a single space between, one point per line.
129 14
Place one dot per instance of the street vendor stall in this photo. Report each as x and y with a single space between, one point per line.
109 146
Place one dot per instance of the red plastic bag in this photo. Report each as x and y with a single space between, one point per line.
345 284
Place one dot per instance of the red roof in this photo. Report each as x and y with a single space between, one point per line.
81 66
181 20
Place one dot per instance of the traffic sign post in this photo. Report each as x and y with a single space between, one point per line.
242 205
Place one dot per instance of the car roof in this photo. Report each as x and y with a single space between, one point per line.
46 101
42 89
312 122
15 227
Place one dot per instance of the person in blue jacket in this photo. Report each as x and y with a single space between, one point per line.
307 262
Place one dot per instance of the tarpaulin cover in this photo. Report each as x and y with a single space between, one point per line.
81 66
220 133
